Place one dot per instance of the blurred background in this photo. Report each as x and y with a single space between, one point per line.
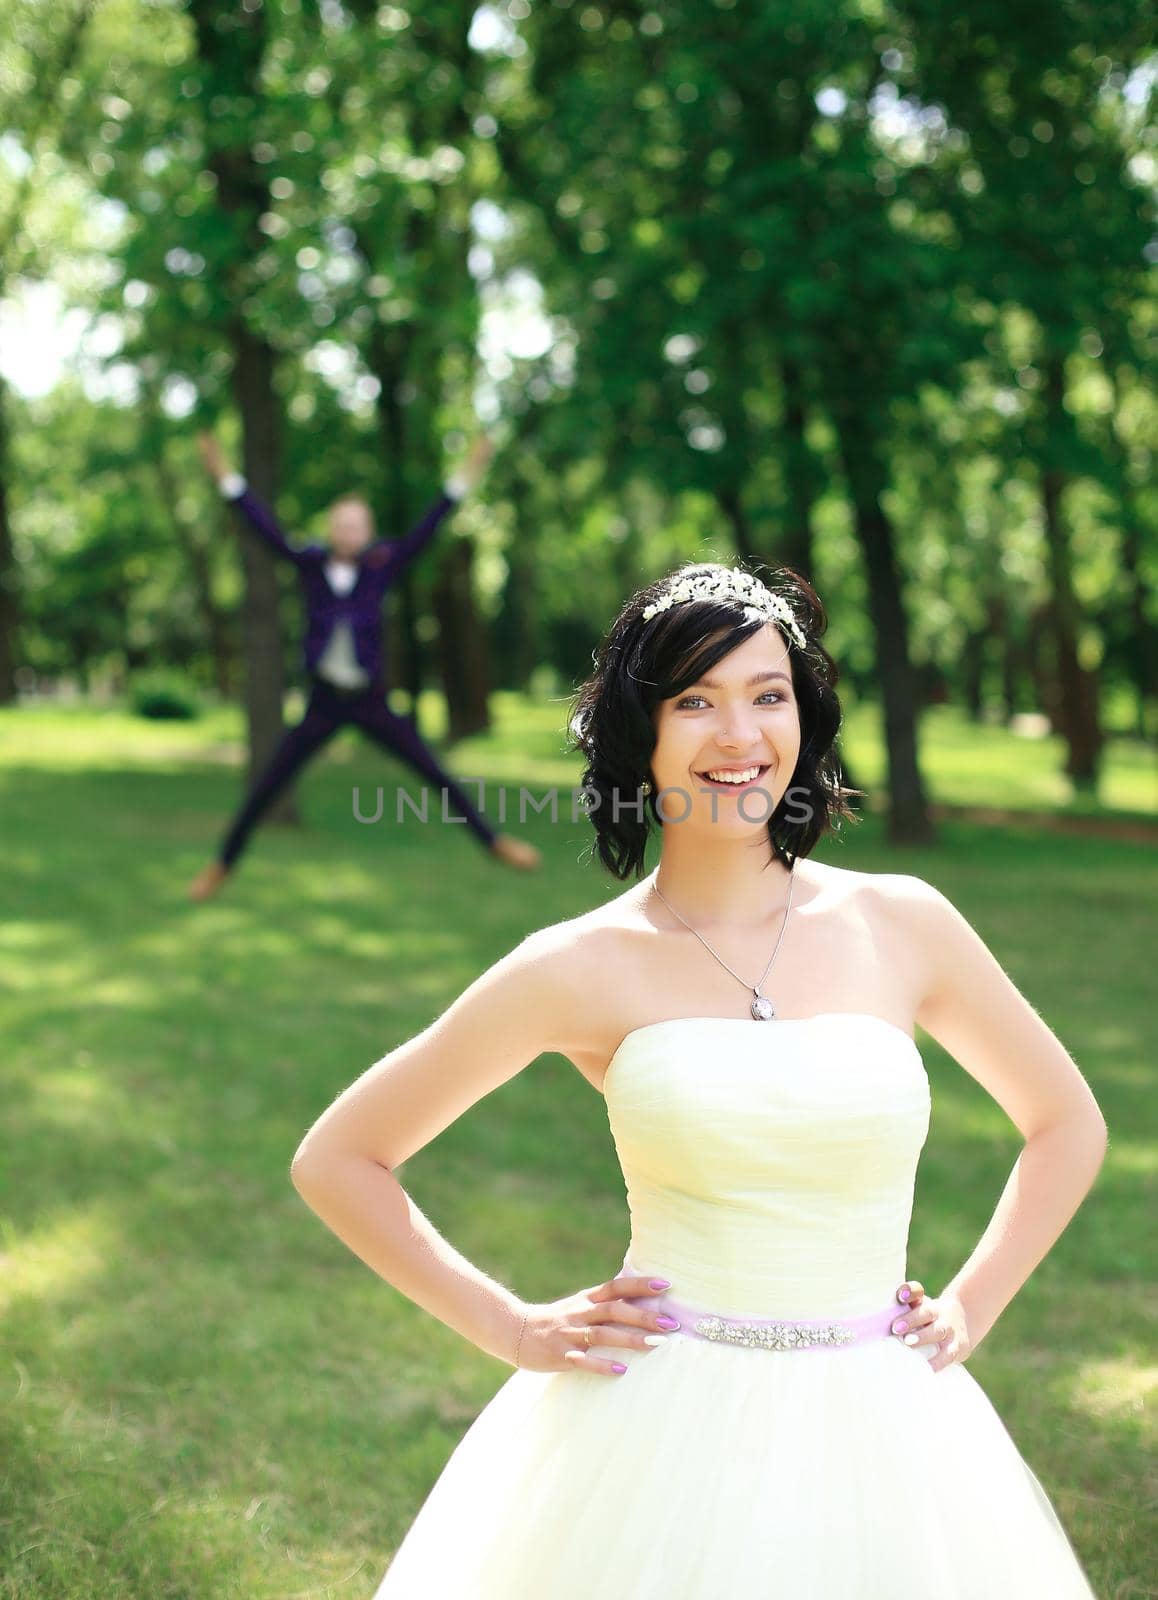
861 287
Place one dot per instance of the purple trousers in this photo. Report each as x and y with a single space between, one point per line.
330 708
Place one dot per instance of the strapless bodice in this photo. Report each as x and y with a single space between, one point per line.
770 1166
770 1170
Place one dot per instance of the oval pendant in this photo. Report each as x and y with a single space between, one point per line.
762 1009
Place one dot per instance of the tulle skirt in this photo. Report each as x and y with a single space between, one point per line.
711 1471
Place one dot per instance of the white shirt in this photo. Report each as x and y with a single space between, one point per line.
341 575
338 663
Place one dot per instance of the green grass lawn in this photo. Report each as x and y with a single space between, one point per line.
207 1395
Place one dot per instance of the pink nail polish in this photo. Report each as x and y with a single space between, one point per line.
905 1293
658 1283
618 1366
900 1327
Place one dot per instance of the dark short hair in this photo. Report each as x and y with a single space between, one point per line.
643 662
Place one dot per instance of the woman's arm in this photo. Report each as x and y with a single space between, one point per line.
344 1168
235 489
975 1011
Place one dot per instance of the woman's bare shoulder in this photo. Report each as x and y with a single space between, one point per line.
883 888
581 955
592 935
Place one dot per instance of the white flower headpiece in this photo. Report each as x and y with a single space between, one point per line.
757 600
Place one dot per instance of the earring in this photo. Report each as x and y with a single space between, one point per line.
645 787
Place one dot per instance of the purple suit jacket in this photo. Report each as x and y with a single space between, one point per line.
379 565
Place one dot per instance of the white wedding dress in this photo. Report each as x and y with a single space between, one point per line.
770 1173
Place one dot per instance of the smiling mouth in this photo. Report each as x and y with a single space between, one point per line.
733 782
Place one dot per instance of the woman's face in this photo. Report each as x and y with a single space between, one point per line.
736 728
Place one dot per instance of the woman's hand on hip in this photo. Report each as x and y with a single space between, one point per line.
941 1321
586 1329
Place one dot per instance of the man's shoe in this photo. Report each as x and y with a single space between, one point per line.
515 852
207 882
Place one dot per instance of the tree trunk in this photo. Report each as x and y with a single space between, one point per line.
800 478
973 674
1009 658
464 659
9 591
522 601
387 360
406 614
514 634
213 618
731 504
1143 663
1076 688
1142 656
253 367
908 815
231 45
1041 631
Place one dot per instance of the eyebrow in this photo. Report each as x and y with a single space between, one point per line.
759 677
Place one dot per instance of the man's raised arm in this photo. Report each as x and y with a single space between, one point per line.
398 552
235 489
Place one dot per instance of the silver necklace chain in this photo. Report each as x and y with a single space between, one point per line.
761 1007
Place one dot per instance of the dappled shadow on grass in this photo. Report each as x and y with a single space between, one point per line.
167 1060
234 1353
94 1511
190 1331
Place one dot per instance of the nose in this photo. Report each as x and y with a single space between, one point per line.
739 730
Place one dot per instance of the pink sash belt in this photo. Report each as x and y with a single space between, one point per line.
771 1333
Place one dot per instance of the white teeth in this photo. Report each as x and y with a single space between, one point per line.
733 777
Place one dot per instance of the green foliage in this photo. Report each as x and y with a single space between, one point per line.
163 697
720 275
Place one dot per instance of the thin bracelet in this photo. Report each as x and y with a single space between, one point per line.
522 1330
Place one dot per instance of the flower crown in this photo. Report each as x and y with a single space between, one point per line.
758 601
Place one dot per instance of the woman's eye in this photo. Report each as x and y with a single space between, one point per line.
681 704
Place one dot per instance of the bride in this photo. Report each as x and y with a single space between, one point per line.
748 1013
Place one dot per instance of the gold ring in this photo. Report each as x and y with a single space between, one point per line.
587 1337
